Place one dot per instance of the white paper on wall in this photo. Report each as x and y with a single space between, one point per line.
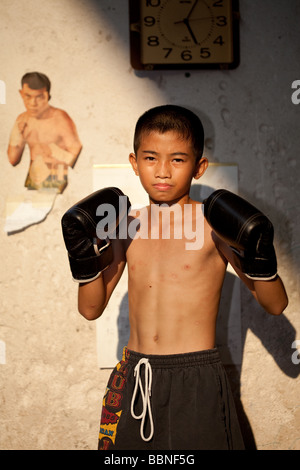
28 208
113 326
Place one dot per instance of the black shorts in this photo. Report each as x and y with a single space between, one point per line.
190 406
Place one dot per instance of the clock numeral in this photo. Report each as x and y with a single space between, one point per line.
169 50
149 21
205 53
186 55
152 3
219 40
218 3
153 41
222 21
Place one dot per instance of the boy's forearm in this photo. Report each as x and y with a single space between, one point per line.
271 295
92 298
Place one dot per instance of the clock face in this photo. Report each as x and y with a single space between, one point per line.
185 33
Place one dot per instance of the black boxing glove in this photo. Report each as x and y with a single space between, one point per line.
87 227
246 230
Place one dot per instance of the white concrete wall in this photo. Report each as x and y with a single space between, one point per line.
50 385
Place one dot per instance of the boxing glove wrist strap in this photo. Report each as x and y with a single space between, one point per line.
88 269
259 267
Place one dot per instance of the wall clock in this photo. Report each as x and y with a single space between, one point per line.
184 34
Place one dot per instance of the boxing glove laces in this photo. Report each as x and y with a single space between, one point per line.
247 231
89 249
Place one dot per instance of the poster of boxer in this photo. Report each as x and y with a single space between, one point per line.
49 132
54 145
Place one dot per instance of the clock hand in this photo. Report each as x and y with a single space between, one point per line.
192 9
193 19
186 22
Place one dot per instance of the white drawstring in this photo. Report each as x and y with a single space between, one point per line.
145 396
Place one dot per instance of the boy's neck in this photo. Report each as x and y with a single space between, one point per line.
181 201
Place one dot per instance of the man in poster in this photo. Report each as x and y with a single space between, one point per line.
50 133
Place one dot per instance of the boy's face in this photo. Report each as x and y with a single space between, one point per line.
35 101
166 165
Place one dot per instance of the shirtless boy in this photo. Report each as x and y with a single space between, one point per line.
170 390
50 133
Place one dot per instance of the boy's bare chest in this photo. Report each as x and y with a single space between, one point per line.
166 259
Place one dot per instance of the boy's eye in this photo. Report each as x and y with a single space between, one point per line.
150 158
178 160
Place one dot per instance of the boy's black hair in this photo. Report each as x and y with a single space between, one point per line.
171 118
36 81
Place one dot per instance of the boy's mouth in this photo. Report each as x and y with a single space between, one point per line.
162 186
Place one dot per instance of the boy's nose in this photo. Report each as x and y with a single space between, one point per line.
163 170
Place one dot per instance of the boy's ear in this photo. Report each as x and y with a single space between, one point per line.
201 167
132 159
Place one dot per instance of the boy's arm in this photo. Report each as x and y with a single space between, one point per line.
94 296
96 262
245 237
271 295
